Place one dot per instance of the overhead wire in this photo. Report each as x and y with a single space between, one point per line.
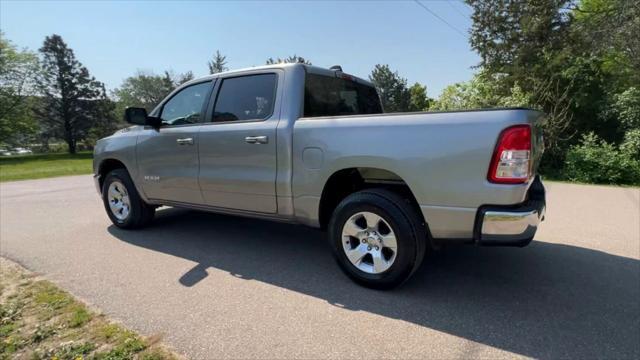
440 18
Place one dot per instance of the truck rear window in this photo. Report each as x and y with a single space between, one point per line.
331 96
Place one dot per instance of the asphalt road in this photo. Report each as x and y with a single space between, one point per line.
226 287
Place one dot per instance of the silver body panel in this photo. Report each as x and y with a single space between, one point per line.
238 158
169 170
442 157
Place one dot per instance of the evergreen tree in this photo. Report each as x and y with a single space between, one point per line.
72 98
419 99
218 64
392 88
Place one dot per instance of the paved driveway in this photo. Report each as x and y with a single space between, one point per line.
227 287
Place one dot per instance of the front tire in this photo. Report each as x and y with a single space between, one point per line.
123 203
378 238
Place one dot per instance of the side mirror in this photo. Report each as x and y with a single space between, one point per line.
138 116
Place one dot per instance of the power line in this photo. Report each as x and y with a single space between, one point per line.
441 19
457 10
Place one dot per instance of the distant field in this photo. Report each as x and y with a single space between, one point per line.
43 166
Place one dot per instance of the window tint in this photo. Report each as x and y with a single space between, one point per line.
186 106
245 98
331 96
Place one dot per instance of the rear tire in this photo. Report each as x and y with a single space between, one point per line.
362 232
123 203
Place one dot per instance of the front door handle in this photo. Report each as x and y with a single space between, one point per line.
185 141
257 139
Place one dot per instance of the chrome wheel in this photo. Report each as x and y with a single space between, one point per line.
119 202
369 242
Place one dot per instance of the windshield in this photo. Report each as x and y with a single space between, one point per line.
331 96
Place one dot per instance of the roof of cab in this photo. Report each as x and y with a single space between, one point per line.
308 68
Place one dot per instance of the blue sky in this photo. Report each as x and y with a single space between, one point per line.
115 39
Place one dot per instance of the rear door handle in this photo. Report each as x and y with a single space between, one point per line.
185 141
257 139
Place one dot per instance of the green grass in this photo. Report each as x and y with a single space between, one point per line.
40 321
44 166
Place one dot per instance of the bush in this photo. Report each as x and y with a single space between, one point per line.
626 107
596 161
631 144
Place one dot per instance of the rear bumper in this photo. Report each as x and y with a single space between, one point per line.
516 225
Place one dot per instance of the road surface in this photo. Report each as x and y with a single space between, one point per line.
226 287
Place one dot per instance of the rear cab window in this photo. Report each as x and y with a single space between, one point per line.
338 96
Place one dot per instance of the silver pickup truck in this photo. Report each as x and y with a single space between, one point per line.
308 145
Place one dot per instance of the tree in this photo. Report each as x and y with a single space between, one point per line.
70 95
289 60
626 107
482 91
107 123
146 89
392 88
579 62
611 28
218 63
607 64
515 38
419 100
17 71
179 79
531 45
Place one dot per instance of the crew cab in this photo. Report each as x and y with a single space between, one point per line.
308 145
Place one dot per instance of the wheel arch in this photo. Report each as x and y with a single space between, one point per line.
107 165
347 181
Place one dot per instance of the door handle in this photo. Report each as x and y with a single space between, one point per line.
257 139
185 141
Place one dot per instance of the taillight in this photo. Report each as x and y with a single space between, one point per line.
511 159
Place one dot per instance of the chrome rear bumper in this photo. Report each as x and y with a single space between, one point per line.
512 225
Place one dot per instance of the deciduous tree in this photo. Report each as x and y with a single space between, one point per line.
146 89
18 69
289 60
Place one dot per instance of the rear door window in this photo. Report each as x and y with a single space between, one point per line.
245 98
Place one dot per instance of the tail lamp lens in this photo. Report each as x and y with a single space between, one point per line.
511 162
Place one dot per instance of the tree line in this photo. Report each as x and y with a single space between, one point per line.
50 96
579 62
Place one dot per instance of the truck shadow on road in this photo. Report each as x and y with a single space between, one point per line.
544 301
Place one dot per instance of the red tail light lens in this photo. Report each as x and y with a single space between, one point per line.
511 162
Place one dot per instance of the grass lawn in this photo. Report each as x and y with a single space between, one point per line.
44 166
40 321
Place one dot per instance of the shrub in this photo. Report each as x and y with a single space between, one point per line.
626 107
596 161
631 144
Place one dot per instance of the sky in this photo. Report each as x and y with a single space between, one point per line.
115 39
